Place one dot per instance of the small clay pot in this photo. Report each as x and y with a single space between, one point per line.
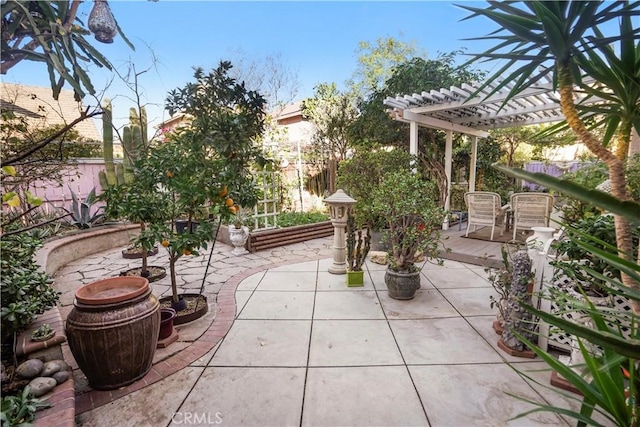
166 322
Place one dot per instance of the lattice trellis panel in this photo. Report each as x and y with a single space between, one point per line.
561 340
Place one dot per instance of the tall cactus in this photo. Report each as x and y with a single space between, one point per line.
109 178
358 245
133 140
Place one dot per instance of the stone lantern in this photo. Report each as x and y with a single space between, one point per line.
339 206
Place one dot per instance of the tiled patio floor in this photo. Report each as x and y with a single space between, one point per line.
303 349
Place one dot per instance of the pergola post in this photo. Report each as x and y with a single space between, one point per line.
448 161
472 166
413 143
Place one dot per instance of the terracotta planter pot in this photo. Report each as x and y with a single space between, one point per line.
402 285
113 331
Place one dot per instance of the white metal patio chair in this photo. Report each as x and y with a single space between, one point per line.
485 209
530 210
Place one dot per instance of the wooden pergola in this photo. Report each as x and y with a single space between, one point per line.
457 109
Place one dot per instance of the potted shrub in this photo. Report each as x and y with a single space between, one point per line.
358 245
200 165
500 279
360 175
134 202
413 221
181 183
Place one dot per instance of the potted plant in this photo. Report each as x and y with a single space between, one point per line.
413 221
238 231
134 202
42 333
358 245
202 164
500 279
359 176
181 183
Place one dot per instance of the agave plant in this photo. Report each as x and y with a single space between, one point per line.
81 210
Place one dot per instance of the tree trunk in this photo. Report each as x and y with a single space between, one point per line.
615 165
143 270
174 284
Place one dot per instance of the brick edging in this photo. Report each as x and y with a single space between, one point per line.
225 316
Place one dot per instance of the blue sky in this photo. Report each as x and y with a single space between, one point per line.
318 40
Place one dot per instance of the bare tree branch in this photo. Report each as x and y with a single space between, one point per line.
83 116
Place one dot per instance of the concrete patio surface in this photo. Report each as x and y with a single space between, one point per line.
304 349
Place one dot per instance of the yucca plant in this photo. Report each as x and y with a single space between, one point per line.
562 40
610 379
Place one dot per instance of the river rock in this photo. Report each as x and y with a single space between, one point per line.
53 366
61 376
42 385
30 369
378 257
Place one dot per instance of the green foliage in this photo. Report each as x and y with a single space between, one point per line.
363 173
42 331
502 277
242 218
412 217
629 209
227 120
376 63
590 176
201 167
20 410
81 214
290 219
488 178
332 112
26 291
375 127
578 264
51 33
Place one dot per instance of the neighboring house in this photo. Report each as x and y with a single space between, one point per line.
299 129
173 122
37 105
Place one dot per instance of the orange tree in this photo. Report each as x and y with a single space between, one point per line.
203 169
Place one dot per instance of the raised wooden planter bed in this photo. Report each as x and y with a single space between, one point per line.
266 239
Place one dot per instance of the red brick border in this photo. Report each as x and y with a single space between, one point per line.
225 316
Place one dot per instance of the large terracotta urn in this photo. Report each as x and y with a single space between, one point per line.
113 330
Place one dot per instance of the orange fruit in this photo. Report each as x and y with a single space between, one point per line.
233 209
169 174
224 191
165 243
186 251
229 202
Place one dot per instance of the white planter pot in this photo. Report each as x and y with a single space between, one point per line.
539 238
238 237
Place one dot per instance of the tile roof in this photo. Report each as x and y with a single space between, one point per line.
36 103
